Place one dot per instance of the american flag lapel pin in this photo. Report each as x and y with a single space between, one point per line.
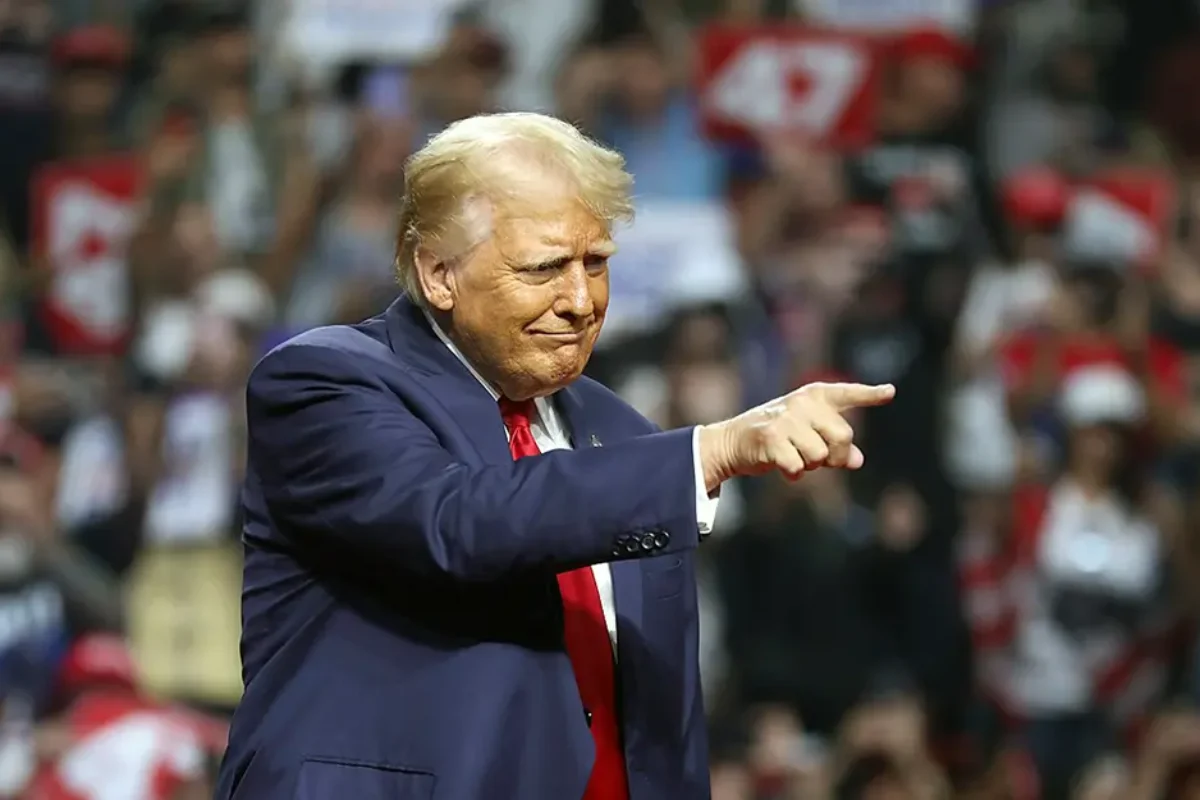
595 440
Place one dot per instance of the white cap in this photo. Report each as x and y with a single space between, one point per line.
167 337
237 295
1099 394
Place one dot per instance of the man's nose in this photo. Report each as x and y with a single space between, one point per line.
575 297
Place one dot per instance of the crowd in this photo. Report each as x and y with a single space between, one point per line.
991 204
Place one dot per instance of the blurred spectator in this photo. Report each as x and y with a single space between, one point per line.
1057 118
922 167
348 274
1002 298
810 586
1101 316
651 119
90 63
49 589
111 739
26 109
881 748
463 77
1079 638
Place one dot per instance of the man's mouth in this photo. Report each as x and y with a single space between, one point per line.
564 337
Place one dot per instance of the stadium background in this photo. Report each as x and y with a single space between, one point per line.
992 204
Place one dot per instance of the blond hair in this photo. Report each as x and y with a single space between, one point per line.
489 158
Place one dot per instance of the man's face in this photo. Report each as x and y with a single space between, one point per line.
527 305
937 85
230 52
642 78
89 93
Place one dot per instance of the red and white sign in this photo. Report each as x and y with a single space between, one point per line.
125 748
1122 215
83 215
818 85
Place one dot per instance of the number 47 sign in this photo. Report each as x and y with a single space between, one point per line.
819 85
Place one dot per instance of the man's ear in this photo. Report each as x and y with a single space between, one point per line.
436 282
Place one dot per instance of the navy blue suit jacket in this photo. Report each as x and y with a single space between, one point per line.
402 626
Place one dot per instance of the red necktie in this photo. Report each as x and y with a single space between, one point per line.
586 635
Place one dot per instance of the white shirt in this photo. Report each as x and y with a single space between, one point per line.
550 433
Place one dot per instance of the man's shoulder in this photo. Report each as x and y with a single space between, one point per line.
365 339
362 342
335 352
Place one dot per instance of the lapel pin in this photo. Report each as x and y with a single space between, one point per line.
595 440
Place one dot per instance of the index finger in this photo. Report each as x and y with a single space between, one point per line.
858 395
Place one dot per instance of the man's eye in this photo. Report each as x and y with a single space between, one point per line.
550 266
595 263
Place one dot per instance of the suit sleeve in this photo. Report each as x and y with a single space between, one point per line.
343 462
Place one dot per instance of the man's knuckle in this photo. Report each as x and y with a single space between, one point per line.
818 451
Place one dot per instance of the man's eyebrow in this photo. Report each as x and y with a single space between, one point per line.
563 253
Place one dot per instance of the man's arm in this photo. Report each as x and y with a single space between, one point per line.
343 462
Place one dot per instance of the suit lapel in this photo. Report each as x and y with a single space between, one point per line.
449 381
570 406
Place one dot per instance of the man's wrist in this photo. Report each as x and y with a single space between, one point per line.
713 447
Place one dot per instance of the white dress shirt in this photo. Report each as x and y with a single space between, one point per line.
550 433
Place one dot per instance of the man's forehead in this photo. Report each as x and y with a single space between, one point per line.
599 243
568 233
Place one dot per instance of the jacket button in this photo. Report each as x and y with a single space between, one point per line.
648 542
661 538
587 715
631 546
618 551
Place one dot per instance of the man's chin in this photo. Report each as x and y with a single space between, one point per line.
560 371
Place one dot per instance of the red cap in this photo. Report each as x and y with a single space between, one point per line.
933 43
94 44
1035 197
97 659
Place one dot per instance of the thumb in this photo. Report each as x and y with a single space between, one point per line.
856 459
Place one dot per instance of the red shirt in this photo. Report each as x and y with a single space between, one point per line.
125 748
1165 361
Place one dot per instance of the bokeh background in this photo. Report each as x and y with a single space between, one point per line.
992 204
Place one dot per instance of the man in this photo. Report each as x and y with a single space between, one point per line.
437 605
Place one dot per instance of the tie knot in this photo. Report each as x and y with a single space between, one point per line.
516 414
